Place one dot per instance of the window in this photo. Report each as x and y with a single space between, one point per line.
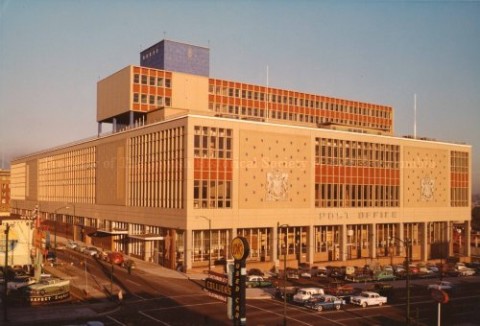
213 168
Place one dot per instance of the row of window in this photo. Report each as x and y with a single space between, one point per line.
346 195
151 99
304 100
459 165
156 169
345 152
212 185
152 80
68 177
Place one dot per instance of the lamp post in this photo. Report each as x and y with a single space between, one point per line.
209 241
5 274
55 228
284 271
408 247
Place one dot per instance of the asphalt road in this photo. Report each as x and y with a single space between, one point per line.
157 300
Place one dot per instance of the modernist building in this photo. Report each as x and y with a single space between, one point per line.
4 192
194 161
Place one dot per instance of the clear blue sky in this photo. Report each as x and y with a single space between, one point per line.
52 53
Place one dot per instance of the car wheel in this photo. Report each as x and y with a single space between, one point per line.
364 305
337 306
319 308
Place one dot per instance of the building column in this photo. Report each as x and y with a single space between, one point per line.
274 248
187 253
400 236
468 235
148 250
114 126
424 242
99 129
373 239
343 242
311 244
131 119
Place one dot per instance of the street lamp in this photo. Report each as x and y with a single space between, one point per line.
55 228
284 270
408 247
209 241
5 274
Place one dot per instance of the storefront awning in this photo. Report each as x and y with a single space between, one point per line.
146 237
101 233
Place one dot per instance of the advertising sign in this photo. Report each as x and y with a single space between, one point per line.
240 252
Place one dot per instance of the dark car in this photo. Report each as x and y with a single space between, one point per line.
51 256
255 271
384 289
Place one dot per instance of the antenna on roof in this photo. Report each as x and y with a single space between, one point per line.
414 116
268 100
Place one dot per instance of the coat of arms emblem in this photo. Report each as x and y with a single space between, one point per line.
428 188
277 186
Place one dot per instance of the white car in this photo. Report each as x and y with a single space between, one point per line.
464 270
305 294
92 251
440 285
368 298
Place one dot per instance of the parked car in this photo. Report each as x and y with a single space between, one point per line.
464 270
51 256
255 281
80 248
292 274
441 285
344 292
255 271
71 244
92 251
368 298
129 264
325 302
318 271
384 275
384 289
115 257
289 290
304 294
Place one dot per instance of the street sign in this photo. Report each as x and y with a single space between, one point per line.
440 296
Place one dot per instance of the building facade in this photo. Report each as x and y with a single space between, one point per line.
194 161
4 192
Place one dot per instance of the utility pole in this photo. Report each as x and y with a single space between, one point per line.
5 275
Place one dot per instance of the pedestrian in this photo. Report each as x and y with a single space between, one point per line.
120 296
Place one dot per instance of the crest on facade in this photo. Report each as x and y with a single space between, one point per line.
427 188
277 186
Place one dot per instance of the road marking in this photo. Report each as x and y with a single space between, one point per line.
300 309
130 281
116 321
153 318
187 305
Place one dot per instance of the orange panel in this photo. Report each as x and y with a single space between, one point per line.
136 88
